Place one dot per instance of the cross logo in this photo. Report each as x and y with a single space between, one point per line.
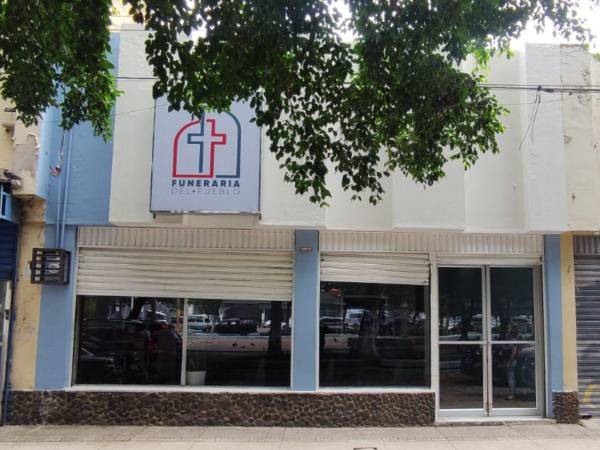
208 148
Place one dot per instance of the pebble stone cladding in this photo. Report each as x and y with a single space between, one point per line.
241 409
566 407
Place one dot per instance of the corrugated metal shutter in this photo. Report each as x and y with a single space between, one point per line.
587 293
8 249
208 274
376 267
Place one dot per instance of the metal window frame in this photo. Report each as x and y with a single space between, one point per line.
488 409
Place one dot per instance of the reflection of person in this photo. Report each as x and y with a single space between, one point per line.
368 332
512 334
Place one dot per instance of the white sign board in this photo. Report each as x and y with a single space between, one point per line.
205 164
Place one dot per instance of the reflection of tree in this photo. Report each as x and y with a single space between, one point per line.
512 296
138 304
275 331
460 296
461 300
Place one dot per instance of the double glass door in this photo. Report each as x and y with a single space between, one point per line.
489 352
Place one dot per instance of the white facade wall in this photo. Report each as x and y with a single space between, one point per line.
542 181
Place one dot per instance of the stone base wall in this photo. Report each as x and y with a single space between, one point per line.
566 407
202 408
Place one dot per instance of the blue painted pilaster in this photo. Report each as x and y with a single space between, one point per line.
554 337
57 324
305 354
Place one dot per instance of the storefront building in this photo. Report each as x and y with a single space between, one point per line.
201 290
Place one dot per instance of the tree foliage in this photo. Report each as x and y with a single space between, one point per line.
392 98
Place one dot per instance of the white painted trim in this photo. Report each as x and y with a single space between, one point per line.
293 306
185 238
491 260
184 343
375 390
487 420
74 268
6 322
434 331
488 409
245 390
540 339
317 351
173 388
547 401
431 242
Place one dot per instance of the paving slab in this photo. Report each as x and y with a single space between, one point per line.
325 435
496 444
556 430
92 433
330 446
236 446
471 433
591 425
568 444
244 434
41 434
139 445
59 445
14 432
416 445
160 434
402 434
461 437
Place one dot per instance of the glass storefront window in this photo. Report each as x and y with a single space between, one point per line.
125 340
374 335
238 343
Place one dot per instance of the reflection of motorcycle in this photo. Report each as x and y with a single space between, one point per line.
128 352
526 368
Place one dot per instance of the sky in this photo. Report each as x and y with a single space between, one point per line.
590 13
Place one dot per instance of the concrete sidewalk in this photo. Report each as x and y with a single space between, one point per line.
479 437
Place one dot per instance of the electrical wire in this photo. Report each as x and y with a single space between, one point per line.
548 89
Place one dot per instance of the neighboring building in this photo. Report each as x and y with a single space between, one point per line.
256 307
22 192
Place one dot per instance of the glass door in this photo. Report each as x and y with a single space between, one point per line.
462 349
488 343
513 350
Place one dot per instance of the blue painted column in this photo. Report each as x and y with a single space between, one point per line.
554 331
57 323
305 353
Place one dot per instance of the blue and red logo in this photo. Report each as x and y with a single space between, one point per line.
209 147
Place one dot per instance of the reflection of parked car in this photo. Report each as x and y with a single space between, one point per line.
199 323
129 352
332 324
236 326
354 317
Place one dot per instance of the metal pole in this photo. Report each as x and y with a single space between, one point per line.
67 182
